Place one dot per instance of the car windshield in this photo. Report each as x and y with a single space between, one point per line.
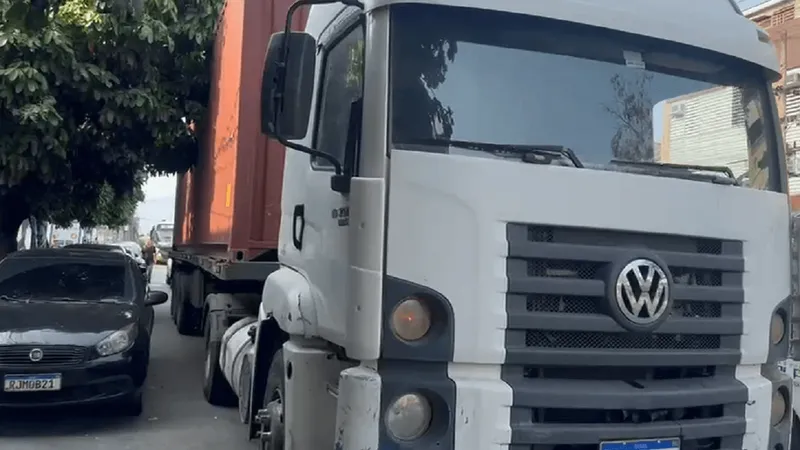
487 78
63 280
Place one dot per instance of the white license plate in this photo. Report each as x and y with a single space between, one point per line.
643 444
32 383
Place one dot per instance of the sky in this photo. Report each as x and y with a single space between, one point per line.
159 202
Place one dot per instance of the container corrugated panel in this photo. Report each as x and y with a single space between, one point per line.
230 202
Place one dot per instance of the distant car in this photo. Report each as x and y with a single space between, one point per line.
76 326
113 248
137 257
133 247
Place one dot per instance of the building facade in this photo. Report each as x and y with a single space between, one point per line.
686 120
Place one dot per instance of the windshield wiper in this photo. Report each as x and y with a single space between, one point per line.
530 153
685 171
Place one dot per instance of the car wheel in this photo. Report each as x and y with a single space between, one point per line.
133 405
216 389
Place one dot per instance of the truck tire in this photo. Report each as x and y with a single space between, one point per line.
273 403
186 319
176 297
795 439
244 391
216 389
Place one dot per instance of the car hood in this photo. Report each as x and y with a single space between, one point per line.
61 323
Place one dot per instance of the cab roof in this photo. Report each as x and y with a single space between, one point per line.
716 25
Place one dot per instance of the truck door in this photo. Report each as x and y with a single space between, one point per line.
320 220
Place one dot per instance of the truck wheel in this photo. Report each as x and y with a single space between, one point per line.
244 391
186 318
175 298
795 440
271 416
216 389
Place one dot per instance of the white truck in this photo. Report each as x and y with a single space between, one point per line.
478 249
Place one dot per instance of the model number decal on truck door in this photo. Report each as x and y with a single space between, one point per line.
341 215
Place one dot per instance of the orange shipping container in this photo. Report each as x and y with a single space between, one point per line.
229 205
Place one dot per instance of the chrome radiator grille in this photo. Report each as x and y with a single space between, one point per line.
579 378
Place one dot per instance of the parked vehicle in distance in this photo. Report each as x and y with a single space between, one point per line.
133 247
162 236
136 257
116 248
82 337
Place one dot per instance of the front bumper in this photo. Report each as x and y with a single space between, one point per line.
97 381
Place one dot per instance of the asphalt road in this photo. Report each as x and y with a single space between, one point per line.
176 417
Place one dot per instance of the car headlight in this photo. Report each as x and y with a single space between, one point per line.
408 417
118 341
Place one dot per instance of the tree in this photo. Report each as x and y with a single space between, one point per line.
95 96
633 108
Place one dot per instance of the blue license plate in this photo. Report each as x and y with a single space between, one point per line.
644 444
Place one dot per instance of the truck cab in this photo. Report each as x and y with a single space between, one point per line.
493 235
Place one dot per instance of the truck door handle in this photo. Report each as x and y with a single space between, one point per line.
298 225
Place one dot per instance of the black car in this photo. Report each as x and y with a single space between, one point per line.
75 327
111 248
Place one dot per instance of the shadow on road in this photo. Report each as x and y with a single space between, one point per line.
61 422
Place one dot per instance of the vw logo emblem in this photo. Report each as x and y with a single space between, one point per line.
642 292
36 355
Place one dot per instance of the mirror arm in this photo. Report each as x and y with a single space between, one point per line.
337 166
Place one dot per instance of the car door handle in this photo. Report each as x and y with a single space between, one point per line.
298 226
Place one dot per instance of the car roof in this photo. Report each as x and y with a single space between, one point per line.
94 246
72 252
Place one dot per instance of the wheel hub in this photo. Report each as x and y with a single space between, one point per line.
272 427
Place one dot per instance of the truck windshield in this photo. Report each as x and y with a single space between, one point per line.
468 75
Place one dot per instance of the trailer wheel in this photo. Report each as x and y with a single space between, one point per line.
216 389
244 391
175 298
271 417
186 315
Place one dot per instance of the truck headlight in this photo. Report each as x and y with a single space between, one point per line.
777 328
408 417
118 341
779 407
411 320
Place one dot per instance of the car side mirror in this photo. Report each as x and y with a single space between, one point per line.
154 298
287 85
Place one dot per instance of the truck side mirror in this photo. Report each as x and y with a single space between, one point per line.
287 85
